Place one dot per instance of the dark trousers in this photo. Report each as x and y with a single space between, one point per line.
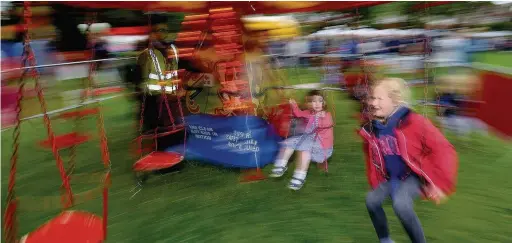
403 202
156 115
153 107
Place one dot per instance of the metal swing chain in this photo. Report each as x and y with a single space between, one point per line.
10 216
174 67
10 222
143 105
83 97
366 81
89 93
67 196
163 96
141 120
428 50
91 86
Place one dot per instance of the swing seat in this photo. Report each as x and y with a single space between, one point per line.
162 132
108 90
65 141
80 113
146 149
157 160
69 226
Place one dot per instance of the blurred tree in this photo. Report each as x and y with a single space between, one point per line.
414 10
504 26
453 8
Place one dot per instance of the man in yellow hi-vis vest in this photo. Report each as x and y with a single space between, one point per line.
154 68
151 68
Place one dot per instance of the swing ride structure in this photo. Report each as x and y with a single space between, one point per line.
215 23
69 225
78 226
222 28
75 226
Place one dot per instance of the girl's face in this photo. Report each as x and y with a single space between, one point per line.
382 105
316 103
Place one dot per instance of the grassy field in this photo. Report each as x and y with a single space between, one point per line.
208 204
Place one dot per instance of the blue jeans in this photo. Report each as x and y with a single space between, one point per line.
403 203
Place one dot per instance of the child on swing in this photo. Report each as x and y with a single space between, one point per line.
406 156
315 144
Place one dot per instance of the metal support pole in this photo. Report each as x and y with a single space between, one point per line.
69 63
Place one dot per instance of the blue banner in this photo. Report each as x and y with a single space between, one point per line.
234 142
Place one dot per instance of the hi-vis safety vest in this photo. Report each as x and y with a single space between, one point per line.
157 72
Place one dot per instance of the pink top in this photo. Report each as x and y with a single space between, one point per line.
325 130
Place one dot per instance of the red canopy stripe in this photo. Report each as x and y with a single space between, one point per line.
246 7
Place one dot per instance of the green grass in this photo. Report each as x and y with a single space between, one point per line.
207 204
495 58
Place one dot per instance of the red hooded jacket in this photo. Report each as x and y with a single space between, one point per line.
423 148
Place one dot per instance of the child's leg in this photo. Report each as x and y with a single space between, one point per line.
303 162
281 162
374 200
301 170
403 206
283 157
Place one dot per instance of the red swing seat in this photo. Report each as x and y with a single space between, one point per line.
69 226
157 160
80 113
65 141
108 90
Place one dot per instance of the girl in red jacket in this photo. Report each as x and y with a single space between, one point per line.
315 144
406 156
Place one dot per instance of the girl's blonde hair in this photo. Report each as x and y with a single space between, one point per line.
398 90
